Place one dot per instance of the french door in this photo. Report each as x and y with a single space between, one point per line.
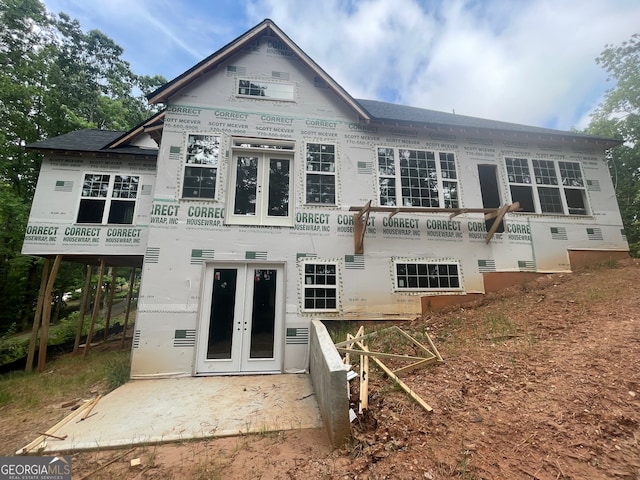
241 319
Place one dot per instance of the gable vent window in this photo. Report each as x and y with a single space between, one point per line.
266 90
108 199
547 186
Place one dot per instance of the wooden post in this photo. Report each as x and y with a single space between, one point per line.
96 309
86 295
132 279
46 314
112 291
360 220
37 318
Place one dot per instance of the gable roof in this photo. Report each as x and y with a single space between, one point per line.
391 113
265 27
90 140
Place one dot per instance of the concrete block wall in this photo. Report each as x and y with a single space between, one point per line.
329 378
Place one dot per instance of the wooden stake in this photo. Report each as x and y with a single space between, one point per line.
96 309
37 318
364 381
46 314
132 279
86 294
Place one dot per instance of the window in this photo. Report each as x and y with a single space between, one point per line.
201 167
417 178
320 287
266 90
559 186
108 199
419 276
321 174
262 183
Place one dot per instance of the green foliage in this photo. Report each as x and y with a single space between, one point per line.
619 117
54 78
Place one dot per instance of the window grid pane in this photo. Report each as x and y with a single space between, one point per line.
125 186
448 166
550 201
386 176
199 182
320 286
419 179
545 172
518 170
427 276
95 185
321 179
570 174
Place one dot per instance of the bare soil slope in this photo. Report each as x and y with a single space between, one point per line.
540 381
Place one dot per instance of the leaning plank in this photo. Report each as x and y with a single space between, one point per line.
408 368
38 441
379 354
402 385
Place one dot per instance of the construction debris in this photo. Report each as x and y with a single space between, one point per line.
354 345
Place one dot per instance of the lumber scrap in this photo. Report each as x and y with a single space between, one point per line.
40 441
400 383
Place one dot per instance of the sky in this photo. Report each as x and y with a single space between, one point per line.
523 61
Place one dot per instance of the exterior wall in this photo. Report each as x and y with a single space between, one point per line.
186 235
52 227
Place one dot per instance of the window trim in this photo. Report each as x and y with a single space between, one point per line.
263 148
185 165
303 285
267 83
334 174
397 176
535 187
426 261
109 199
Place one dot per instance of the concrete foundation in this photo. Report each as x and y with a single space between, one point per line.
329 378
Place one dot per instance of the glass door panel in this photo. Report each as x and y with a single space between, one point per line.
263 314
221 318
246 186
279 175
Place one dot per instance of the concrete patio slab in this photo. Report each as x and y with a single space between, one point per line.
164 410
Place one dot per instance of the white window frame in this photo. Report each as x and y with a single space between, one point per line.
314 167
95 193
264 150
547 175
308 284
260 89
206 159
422 271
448 197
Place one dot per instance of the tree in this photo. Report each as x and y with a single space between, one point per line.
54 78
618 116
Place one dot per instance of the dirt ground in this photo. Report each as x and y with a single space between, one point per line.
540 381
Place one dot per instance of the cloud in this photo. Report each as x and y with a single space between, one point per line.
528 62
524 61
